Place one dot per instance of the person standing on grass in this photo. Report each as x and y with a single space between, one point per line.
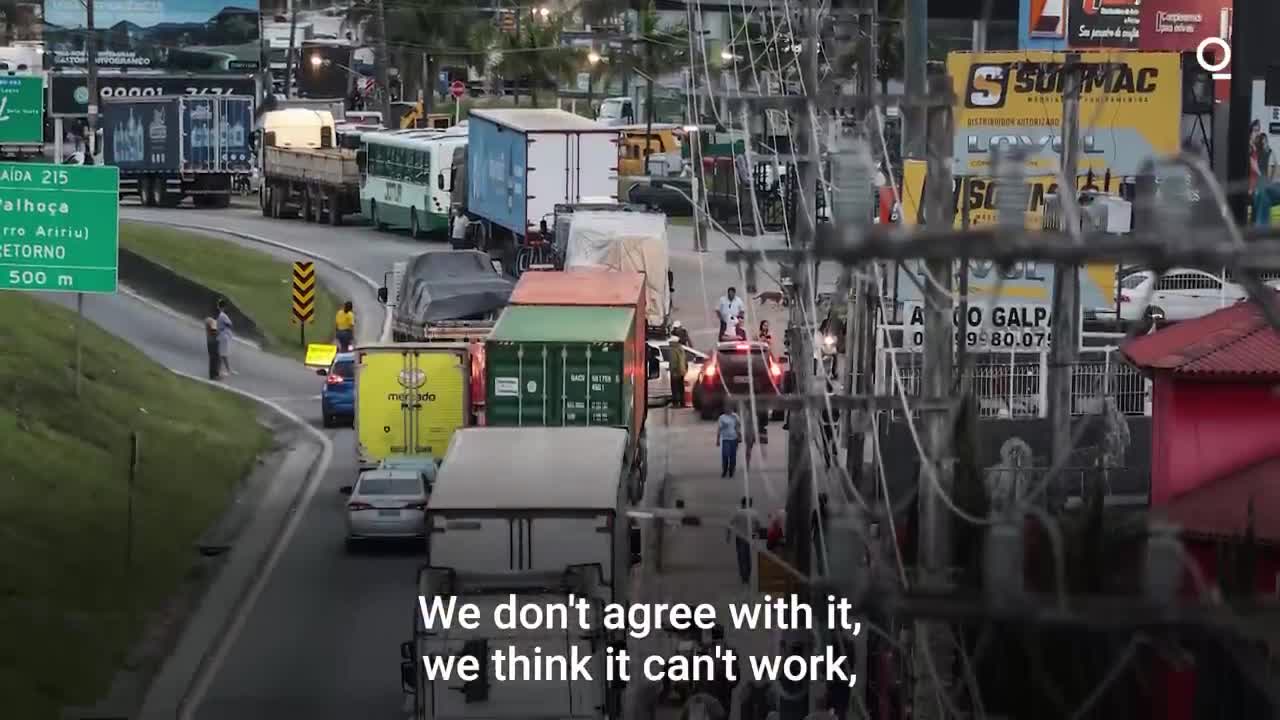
211 344
344 325
224 338
728 433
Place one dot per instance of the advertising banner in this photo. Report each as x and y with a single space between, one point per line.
1006 326
1048 19
1130 108
1180 25
144 135
180 35
70 93
1026 282
1104 24
21 110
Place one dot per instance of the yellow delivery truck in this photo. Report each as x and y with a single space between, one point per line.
410 398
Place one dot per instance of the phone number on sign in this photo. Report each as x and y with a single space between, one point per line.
997 339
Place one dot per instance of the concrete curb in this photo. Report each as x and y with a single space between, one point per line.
182 682
386 320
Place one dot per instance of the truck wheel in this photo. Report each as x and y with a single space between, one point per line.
220 201
414 231
307 203
277 203
144 191
335 213
264 199
373 215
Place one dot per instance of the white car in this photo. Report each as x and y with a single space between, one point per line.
1180 294
660 387
387 504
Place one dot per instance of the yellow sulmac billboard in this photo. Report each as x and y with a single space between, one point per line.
1028 281
1130 108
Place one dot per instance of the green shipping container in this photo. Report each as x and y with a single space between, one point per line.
560 365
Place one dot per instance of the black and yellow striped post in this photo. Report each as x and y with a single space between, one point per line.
304 297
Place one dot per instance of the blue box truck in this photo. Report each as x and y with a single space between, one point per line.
169 147
521 163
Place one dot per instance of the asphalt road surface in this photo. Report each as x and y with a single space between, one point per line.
322 642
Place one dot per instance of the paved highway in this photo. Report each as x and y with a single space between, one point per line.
322 642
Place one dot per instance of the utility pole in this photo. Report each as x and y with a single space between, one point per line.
1066 279
699 188
91 147
384 77
799 444
932 639
293 49
916 61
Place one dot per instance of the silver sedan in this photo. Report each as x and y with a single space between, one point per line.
388 504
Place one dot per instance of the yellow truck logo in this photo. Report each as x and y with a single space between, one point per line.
409 401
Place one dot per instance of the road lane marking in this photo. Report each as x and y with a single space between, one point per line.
212 662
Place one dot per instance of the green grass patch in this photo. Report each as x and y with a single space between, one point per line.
72 606
258 283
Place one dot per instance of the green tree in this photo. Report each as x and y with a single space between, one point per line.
536 56
660 51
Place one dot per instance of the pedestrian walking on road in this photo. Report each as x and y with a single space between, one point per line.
728 434
750 436
678 367
344 325
224 338
743 528
211 344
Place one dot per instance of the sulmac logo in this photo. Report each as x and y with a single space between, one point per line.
988 86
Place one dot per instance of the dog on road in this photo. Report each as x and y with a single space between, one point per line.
772 296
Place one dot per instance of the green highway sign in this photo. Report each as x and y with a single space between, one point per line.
59 227
21 110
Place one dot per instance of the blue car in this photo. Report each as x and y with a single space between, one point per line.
338 399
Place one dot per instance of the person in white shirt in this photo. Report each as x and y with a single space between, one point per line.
730 307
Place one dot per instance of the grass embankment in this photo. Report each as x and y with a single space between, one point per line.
258 283
72 606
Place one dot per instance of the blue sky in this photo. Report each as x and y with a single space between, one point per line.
144 13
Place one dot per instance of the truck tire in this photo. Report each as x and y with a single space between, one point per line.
321 198
373 215
335 211
220 201
144 191
414 231
264 199
167 199
307 203
277 202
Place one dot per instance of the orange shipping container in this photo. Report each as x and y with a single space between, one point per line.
592 287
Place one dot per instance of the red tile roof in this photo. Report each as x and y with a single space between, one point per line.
1232 342
1221 508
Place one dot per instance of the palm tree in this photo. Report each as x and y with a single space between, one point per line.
536 54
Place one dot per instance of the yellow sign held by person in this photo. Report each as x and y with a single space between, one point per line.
320 355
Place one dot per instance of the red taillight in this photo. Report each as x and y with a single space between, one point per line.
775 369
1123 298
359 506
334 379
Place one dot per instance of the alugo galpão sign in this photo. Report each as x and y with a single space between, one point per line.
1003 327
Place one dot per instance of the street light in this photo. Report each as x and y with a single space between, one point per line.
593 57
544 12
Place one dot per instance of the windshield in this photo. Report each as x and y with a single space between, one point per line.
610 110
344 370
1133 281
404 485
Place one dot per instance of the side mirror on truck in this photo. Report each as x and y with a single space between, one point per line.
636 544
408 677
382 295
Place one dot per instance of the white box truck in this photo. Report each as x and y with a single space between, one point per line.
534 512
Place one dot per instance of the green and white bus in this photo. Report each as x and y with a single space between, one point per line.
407 179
